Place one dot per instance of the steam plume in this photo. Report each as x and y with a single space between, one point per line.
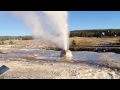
49 25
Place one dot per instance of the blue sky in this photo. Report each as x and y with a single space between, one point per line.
81 20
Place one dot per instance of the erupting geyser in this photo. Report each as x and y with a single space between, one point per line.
66 53
48 25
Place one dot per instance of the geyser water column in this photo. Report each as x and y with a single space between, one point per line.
66 52
66 42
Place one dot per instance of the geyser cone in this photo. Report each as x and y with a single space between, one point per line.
66 53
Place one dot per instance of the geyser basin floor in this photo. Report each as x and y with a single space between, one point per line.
51 70
37 69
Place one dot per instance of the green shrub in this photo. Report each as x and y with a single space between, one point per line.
2 42
11 42
73 43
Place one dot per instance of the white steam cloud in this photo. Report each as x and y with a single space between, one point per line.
49 25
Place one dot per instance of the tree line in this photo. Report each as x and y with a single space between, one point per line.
74 33
95 33
3 38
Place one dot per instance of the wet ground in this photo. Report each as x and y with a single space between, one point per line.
51 54
107 59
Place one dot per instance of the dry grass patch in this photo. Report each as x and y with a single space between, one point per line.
90 41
